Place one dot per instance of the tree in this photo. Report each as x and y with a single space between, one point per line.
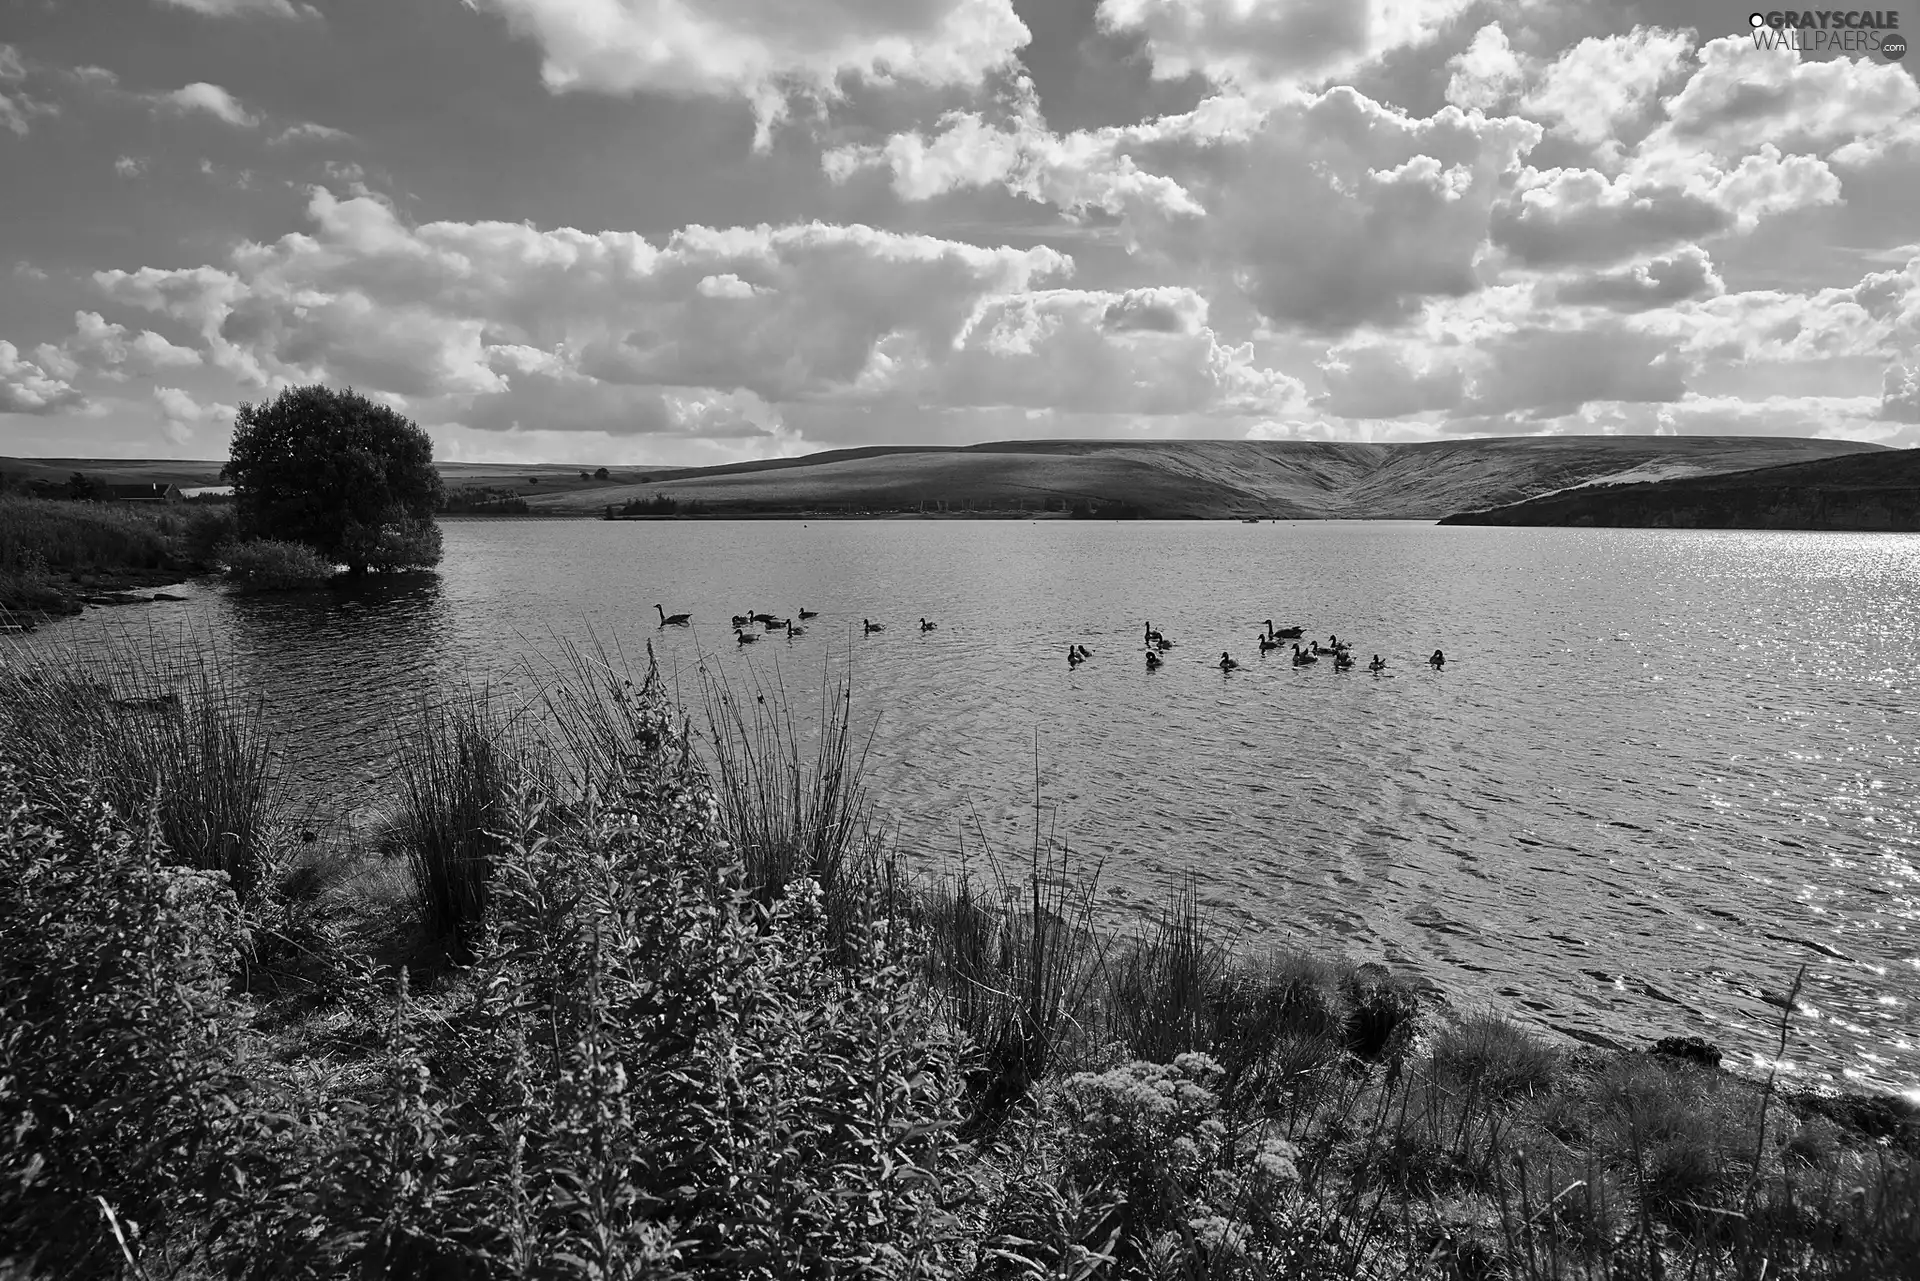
599 473
352 479
82 486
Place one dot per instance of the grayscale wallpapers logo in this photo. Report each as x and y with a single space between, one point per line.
1830 31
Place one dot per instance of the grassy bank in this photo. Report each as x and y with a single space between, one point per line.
623 991
54 554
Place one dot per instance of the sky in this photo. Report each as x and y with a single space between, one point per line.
701 231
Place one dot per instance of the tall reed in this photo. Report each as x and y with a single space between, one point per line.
177 744
458 766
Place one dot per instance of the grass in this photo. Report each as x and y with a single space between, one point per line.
659 974
52 552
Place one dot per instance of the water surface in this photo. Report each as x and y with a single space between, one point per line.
1661 770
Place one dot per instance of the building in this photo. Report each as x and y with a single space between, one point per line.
139 493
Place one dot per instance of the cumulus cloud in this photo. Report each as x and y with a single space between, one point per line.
762 51
113 351
1585 216
27 388
208 99
499 323
180 413
1655 282
1327 211
1252 45
1900 395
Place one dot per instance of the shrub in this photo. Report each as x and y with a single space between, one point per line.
404 544
40 533
117 1046
208 529
1487 1053
265 564
649 1074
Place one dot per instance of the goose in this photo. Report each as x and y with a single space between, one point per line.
775 624
805 614
741 620
672 620
1162 644
1342 661
1154 661
1438 660
767 619
1226 661
1084 651
1301 658
1152 636
1267 643
1284 633
793 631
1378 664
871 626
1073 656
925 626
745 637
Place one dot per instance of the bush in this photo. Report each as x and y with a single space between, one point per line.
206 533
44 534
265 565
406 544
649 1074
117 1068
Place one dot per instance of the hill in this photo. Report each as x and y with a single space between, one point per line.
1877 491
1219 479
1201 479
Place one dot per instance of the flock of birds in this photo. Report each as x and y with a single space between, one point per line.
1271 638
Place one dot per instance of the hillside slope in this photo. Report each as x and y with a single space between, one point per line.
1876 491
1205 479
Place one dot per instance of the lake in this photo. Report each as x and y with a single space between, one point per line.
1660 771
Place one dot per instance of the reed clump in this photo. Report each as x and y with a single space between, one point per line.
699 1022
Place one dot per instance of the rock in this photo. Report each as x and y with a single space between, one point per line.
115 598
166 596
1692 1049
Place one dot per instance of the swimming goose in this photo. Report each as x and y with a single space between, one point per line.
767 619
745 637
741 620
1226 661
1284 633
1342 661
793 631
672 620
1152 636
925 626
871 626
1438 660
805 614
1301 658
1154 661
1073 656
1378 664
1267 643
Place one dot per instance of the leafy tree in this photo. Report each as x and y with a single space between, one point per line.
350 478
599 473
82 486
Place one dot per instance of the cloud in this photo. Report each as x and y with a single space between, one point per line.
27 388
1487 72
1900 397
762 51
1326 211
1605 83
310 132
129 167
181 413
211 100
1655 282
243 8
111 350
1584 216
18 108
1284 42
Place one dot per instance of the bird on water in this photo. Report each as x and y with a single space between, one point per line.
672 620
871 627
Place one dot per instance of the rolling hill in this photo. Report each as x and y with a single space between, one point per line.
1874 491
1204 479
1300 480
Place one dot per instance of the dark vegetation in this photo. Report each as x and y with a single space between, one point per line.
349 478
1877 491
618 994
659 505
484 500
54 553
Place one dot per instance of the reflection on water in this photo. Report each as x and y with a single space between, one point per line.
1660 771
